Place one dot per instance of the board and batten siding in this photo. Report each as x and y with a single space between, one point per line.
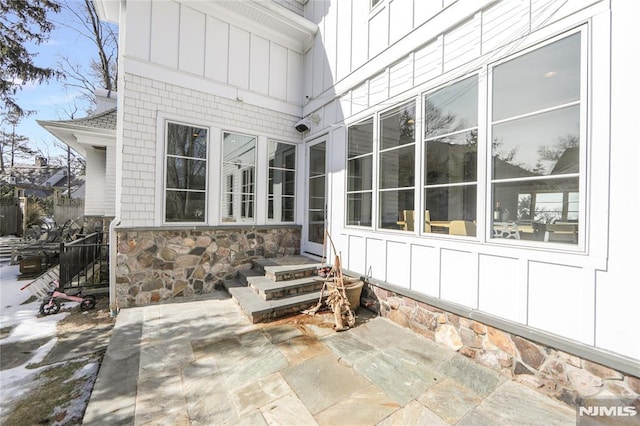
194 42
584 295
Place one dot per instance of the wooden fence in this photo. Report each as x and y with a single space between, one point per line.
10 217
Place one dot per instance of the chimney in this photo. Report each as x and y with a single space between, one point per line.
41 161
105 99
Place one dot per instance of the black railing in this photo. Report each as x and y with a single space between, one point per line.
84 262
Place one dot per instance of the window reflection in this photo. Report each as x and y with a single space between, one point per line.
452 108
360 173
450 159
543 78
537 206
281 185
185 173
536 144
238 164
397 166
543 144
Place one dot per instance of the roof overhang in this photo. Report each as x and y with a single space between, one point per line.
79 138
108 10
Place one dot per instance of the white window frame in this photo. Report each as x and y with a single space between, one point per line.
295 183
582 175
484 180
240 219
163 164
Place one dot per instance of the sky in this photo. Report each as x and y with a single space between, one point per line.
50 99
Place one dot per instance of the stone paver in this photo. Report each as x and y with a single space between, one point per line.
203 363
450 400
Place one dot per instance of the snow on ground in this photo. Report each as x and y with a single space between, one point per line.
26 326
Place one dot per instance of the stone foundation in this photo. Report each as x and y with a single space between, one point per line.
558 374
158 265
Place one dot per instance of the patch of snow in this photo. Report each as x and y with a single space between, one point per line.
20 380
75 408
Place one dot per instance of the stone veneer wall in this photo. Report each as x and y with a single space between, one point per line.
160 264
558 374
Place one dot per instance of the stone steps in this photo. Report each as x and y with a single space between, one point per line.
268 289
276 287
259 310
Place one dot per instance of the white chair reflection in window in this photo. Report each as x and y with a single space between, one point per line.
502 228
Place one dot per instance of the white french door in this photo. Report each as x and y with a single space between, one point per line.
316 202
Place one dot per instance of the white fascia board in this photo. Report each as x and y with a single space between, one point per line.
108 10
79 138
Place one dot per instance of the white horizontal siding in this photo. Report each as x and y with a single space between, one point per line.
95 200
462 44
503 23
401 76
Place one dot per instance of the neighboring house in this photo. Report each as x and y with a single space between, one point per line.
94 138
39 179
475 160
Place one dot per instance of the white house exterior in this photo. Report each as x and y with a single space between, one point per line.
472 158
94 138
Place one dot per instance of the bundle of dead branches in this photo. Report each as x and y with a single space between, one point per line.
337 300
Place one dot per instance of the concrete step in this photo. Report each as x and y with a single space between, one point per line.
268 289
290 272
286 268
245 275
259 310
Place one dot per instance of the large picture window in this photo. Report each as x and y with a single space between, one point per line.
282 182
530 148
238 164
185 173
535 148
450 159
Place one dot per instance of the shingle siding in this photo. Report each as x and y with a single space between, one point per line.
144 100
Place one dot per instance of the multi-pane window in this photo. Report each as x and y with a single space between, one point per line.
397 165
238 165
450 159
532 140
185 173
360 173
535 145
282 182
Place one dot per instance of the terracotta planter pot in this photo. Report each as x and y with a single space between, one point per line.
352 289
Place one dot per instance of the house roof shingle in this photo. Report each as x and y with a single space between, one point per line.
102 120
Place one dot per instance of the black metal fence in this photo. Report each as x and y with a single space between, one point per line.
85 262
